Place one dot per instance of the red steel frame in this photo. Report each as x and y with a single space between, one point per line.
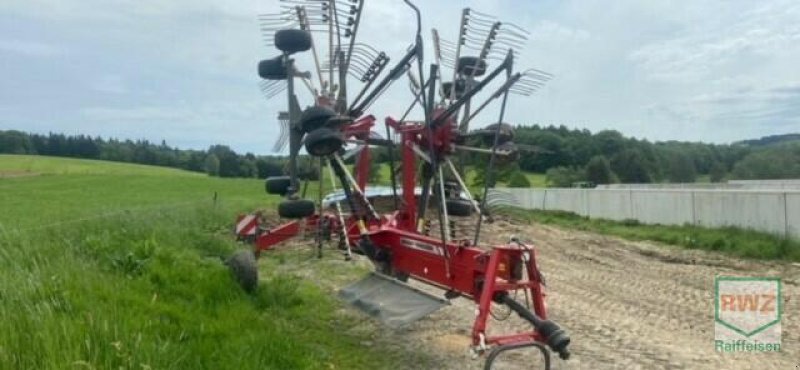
455 266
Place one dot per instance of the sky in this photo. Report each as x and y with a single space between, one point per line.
184 71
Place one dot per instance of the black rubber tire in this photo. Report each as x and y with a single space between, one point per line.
315 117
461 88
244 269
451 189
471 66
508 146
506 133
296 208
323 142
277 185
292 41
272 69
459 207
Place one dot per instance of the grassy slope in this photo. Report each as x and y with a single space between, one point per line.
145 288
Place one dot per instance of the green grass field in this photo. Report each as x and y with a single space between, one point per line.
107 265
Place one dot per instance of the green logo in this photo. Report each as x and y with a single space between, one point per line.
747 313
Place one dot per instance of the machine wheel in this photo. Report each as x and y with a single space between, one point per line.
244 269
506 133
277 184
459 207
292 41
472 66
296 208
461 88
272 69
323 141
315 117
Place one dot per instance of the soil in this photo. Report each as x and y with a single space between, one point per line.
626 305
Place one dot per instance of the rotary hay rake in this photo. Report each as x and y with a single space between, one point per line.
400 243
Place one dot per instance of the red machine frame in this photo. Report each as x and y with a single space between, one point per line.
460 268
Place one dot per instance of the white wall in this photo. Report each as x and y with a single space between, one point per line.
772 211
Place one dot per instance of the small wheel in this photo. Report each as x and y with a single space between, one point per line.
244 269
315 117
471 66
506 133
461 88
292 41
323 142
459 207
506 153
272 69
278 185
296 208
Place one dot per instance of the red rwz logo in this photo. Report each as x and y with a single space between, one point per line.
763 303
747 314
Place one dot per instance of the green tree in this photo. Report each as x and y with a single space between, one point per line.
631 167
564 177
718 172
212 165
779 162
680 168
598 171
519 180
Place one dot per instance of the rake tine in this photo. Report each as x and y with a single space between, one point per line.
281 88
266 85
283 122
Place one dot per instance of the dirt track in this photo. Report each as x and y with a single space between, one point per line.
626 305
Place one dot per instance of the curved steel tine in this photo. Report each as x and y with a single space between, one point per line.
477 13
274 92
363 64
509 38
518 28
268 89
539 78
523 91
359 70
365 53
367 46
513 32
538 72
266 84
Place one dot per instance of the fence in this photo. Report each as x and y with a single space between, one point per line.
773 211
786 184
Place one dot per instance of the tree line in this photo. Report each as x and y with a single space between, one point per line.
570 156
217 160
566 156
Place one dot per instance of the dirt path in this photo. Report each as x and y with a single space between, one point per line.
626 305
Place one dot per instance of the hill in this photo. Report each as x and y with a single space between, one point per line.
107 265
771 140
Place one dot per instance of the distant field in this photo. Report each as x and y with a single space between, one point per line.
70 189
41 165
107 265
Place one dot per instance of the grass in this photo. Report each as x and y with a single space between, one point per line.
42 165
142 286
730 240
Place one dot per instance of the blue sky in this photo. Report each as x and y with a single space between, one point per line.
185 71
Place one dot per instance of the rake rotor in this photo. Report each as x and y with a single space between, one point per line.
337 128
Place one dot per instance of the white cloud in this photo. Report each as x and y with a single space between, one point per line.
185 70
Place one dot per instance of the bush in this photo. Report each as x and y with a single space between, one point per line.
564 177
518 180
